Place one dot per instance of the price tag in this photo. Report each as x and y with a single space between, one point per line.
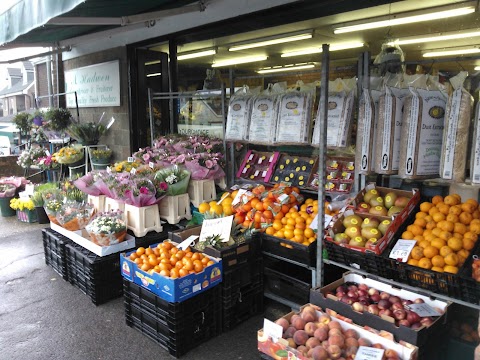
220 226
133 171
47 152
130 159
238 196
402 250
272 330
423 310
250 157
109 170
151 164
271 158
187 242
24 195
260 160
256 173
29 188
369 353
264 173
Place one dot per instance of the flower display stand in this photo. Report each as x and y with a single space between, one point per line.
112 204
201 191
98 202
143 219
27 216
175 208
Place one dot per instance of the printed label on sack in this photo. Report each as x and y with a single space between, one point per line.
336 105
476 160
367 127
400 96
451 136
369 353
402 250
387 129
237 119
412 133
263 119
346 119
292 118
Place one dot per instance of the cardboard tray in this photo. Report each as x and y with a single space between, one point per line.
172 290
250 168
416 337
81 238
281 350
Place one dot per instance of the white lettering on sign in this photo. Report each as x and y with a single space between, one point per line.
96 85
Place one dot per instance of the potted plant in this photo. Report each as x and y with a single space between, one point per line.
101 158
7 193
86 133
56 122
25 209
23 122
38 201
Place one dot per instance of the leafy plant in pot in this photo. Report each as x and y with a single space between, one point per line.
23 122
38 200
101 157
89 133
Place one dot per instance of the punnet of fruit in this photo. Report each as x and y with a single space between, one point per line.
446 230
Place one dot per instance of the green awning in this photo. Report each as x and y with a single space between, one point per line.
43 22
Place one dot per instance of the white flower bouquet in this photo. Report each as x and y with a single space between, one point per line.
107 229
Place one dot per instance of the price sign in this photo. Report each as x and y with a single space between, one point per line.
264 173
219 226
47 152
187 242
24 195
151 164
369 353
238 196
130 159
29 189
133 171
272 330
423 310
402 250
314 224
109 170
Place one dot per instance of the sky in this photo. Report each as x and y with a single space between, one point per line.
7 4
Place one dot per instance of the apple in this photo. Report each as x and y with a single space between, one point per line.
357 241
399 314
373 309
378 210
352 287
384 304
413 317
385 312
404 322
377 201
397 306
345 299
418 301
384 295
370 194
372 291
395 299
402 201
363 207
394 210
383 227
341 238
406 302
357 306
363 287
375 297
390 199
342 288
362 292
371 233
352 231
352 220
427 321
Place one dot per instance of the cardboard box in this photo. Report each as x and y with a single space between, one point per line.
281 350
319 296
397 220
82 238
172 290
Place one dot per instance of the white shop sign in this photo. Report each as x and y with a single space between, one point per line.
96 85
208 130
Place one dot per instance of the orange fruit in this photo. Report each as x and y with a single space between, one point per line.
443 208
470 235
465 218
451 200
436 231
437 269
438 243
468 207
438 216
425 263
419 238
203 208
416 229
451 259
280 234
416 253
475 227
458 236
270 230
413 262
450 269
430 251
455 244
277 225
458 197
437 199
459 228
448 226
430 237
431 225
420 222
288 234
407 235
464 254
309 233
445 250
455 210
428 218
438 261
445 235
432 211
476 214
299 238
468 244
473 202
421 214
423 244
425 206
452 218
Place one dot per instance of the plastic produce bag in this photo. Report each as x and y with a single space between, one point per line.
74 216
239 112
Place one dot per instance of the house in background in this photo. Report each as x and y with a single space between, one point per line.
19 94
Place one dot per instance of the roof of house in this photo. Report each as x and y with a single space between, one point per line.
14 72
18 87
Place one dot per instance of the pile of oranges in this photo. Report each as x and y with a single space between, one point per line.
446 230
170 261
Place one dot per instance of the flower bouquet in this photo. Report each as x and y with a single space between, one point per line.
30 156
205 166
24 208
107 229
105 182
87 183
125 166
52 202
47 162
139 189
70 155
7 190
74 216
176 178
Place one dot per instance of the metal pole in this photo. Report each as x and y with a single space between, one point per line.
150 111
322 160
49 81
76 105
231 169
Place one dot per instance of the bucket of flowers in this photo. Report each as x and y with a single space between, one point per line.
25 209
72 156
53 201
107 228
101 158
49 164
7 193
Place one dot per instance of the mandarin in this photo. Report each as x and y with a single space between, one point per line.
450 269
451 200
445 250
425 263
465 218
416 253
451 259
438 261
455 244
437 269
430 251
438 243
437 199
413 262
468 244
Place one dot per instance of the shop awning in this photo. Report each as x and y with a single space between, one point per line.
45 22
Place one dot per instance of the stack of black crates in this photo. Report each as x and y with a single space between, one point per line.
54 249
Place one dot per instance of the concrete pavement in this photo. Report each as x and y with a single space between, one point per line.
44 317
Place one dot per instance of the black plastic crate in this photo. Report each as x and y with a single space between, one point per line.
287 281
243 277
368 262
152 237
98 277
292 250
249 303
176 327
54 249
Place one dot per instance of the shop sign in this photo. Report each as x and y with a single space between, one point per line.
96 85
207 130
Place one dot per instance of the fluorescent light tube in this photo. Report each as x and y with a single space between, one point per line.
477 68
197 54
154 74
275 69
451 52
271 41
318 50
433 38
436 15
240 60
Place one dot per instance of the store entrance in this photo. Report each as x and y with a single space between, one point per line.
148 70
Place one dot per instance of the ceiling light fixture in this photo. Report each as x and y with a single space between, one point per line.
291 67
451 52
477 68
239 60
154 74
197 54
318 50
272 40
434 15
433 38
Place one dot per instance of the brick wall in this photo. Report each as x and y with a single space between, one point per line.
118 137
42 82
9 167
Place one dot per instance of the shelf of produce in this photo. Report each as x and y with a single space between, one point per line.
281 300
404 286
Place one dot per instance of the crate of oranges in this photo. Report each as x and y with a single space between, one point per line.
170 272
446 232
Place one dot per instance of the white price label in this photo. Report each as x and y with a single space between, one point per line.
271 158
314 224
24 195
402 250
151 164
423 310
47 152
238 196
29 188
272 330
264 173
250 157
130 159
133 171
109 170
260 160
256 173
369 353
187 242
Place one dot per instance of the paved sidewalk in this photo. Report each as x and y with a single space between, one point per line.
44 317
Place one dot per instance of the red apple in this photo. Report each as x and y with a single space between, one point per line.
372 291
373 309
397 306
375 298
399 314
385 295
413 317
357 306
395 299
384 304
404 322
363 207
363 287
386 312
